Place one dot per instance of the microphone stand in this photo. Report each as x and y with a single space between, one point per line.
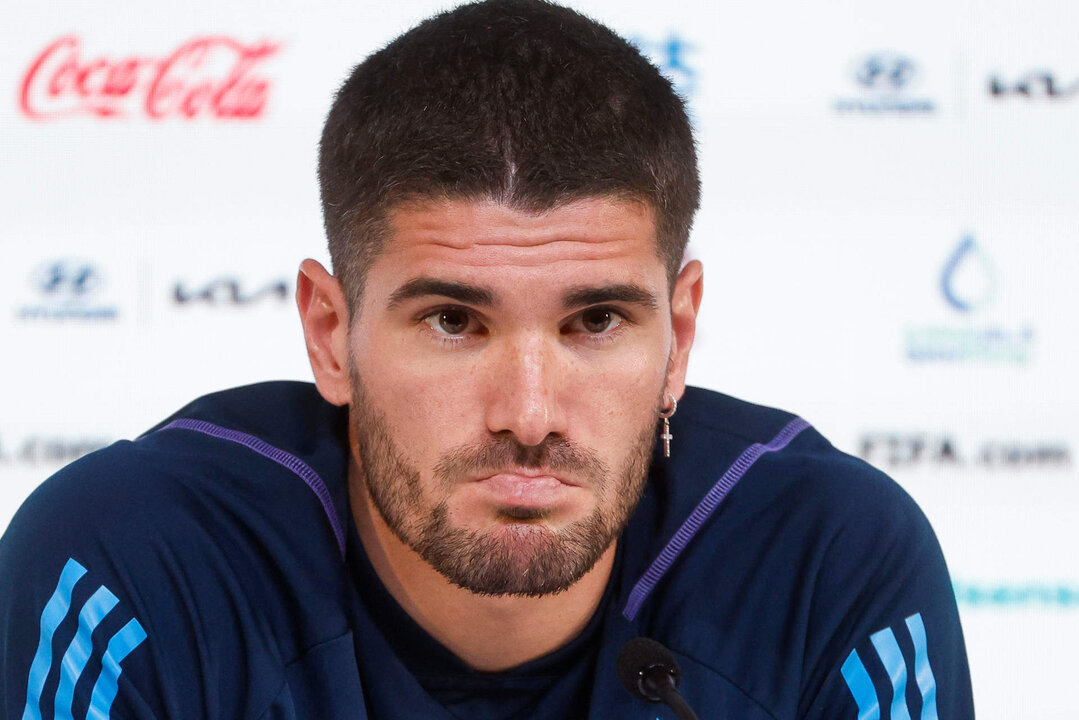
670 696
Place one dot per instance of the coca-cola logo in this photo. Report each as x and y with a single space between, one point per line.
212 76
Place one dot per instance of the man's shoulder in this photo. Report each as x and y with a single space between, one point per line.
728 415
211 533
248 478
752 482
246 449
773 538
285 413
773 456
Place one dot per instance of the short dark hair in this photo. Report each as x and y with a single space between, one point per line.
523 101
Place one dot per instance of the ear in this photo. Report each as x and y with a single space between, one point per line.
685 302
325 318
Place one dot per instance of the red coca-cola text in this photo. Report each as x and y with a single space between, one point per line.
212 76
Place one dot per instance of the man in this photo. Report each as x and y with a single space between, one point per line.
502 477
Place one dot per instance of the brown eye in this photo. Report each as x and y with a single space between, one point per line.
596 320
451 322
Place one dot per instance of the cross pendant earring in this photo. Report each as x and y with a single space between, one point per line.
665 414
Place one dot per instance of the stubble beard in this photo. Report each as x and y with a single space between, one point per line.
521 556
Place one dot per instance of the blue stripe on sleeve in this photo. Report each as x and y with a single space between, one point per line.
888 649
55 611
923 673
861 687
121 644
96 608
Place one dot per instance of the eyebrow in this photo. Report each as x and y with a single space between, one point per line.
623 293
424 286
482 297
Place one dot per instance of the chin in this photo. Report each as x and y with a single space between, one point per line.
513 558
513 514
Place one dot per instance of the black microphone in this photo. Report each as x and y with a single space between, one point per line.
649 672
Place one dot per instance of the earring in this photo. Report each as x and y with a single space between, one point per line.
666 415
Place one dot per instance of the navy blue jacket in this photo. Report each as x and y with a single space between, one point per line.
198 572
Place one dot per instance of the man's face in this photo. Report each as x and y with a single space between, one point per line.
506 373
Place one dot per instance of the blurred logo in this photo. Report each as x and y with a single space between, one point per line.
231 291
67 290
890 73
885 82
212 76
1038 84
51 449
905 450
968 286
1002 595
68 279
968 279
672 56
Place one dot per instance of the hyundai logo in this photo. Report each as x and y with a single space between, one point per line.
67 278
885 71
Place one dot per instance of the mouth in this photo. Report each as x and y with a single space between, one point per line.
526 489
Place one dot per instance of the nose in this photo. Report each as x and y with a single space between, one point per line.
527 383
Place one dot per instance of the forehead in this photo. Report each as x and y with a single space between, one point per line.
484 239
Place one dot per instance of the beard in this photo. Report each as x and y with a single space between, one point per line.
519 555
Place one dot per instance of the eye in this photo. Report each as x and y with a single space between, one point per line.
596 320
599 320
450 321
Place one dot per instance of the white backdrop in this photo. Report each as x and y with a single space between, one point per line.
889 232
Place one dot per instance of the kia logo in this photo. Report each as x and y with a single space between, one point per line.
1036 84
230 291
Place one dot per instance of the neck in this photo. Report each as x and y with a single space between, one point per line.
489 633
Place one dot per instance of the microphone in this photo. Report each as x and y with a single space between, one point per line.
649 672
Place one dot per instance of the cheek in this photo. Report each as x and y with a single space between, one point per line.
614 402
427 403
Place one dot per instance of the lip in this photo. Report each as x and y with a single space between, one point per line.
526 489
530 474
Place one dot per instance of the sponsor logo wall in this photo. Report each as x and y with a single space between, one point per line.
889 231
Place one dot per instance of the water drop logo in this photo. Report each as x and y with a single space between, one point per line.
968 284
968 279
